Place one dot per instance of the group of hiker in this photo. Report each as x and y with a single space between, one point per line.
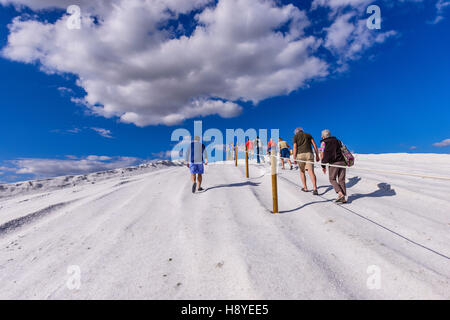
304 151
330 152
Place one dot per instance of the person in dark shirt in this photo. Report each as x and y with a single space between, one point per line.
331 153
303 150
259 148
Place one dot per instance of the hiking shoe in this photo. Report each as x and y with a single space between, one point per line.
200 189
315 192
194 187
292 167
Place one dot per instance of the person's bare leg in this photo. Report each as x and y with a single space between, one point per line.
193 176
313 178
199 179
282 163
303 178
290 163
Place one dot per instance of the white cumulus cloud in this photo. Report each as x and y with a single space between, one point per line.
349 36
136 60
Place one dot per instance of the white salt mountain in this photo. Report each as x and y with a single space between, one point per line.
141 233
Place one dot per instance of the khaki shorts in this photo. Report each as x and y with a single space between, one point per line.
305 157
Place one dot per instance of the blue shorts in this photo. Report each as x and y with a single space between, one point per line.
196 168
285 153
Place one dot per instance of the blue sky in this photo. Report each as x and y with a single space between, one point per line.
392 96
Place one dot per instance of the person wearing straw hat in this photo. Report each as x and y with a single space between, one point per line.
196 156
303 153
284 152
331 153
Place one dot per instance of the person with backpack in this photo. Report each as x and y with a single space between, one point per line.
331 153
196 156
303 154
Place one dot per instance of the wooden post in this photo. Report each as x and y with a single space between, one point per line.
236 154
274 180
246 162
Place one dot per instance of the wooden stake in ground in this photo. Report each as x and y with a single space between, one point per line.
274 180
236 154
246 162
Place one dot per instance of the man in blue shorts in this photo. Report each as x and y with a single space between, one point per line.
196 155
285 154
